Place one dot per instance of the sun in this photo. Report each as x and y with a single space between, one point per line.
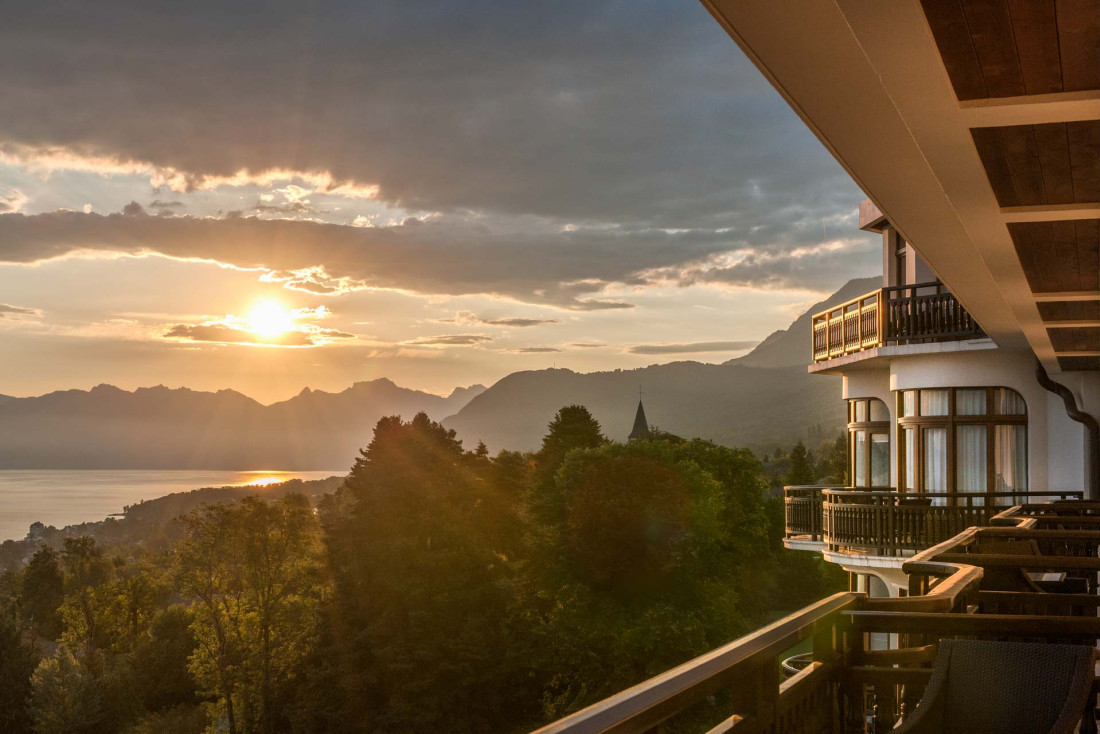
270 319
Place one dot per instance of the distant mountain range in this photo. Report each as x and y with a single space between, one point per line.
160 428
759 400
763 399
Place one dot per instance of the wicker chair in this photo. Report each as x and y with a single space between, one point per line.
1003 688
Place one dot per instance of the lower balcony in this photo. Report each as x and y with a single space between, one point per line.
892 524
980 585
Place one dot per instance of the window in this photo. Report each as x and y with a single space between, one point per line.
959 441
869 443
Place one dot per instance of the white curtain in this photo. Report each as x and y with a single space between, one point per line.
861 459
970 402
970 457
880 459
935 463
909 403
1010 459
1008 402
879 411
933 402
911 459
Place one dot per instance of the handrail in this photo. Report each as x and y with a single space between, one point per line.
651 702
889 523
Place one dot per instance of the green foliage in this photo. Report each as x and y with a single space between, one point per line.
64 696
834 463
17 662
42 591
253 571
161 661
801 468
422 548
641 571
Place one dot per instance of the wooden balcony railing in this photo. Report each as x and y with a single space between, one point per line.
908 314
888 523
846 687
802 510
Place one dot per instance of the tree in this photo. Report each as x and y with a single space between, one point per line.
422 543
85 571
42 591
636 572
252 568
161 661
17 662
835 462
573 427
801 469
64 698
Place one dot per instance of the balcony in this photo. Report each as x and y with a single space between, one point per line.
893 524
976 585
911 314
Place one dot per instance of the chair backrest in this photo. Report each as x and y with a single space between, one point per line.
1005 687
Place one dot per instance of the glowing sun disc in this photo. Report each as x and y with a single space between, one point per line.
269 320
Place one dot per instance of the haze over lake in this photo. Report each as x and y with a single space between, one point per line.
67 497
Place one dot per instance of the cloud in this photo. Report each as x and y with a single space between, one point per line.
235 330
18 313
575 110
469 318
692 348
450 340
534 350
587 345
162 205
11 200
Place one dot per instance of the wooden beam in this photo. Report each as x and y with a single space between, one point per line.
1051 212
1082 323
1082 353
1046 297
1031 109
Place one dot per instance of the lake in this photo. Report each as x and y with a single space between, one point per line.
67 497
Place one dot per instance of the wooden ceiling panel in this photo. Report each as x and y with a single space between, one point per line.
1077 339
1042 165
952 36
1078 41
1070 310
1009 48
1079 364
1058 256
1036 31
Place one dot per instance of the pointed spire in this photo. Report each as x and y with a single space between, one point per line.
641 427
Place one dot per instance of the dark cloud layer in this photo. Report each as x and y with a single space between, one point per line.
577 110
454 340
567 269
229 334
692 348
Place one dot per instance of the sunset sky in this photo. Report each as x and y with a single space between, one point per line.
265 196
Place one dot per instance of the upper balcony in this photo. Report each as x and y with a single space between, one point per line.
909 314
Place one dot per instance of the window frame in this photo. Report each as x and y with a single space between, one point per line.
951 422
870 428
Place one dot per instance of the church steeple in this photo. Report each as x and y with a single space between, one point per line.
641 427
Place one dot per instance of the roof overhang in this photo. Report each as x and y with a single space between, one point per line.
868 78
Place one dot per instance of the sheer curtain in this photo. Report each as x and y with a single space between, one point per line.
911 459
1010 459
970 402
860 456
1008 402
935 462
933 402
970 458
880 459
